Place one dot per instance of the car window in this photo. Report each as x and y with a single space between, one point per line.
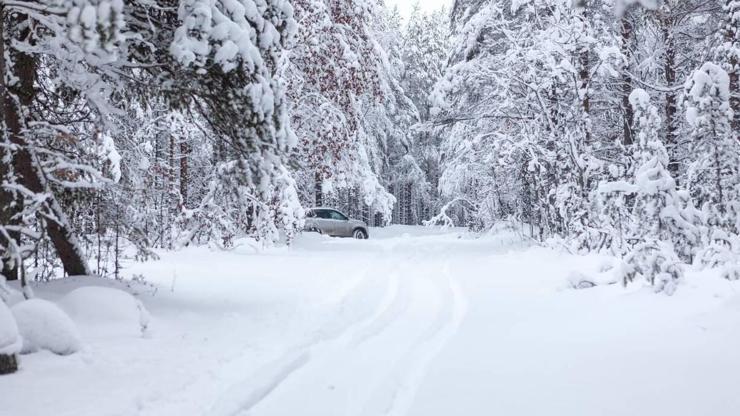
337 216
311 214
322 213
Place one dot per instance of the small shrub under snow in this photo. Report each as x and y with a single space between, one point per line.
44 326
657 263
578 280
731 272
113 309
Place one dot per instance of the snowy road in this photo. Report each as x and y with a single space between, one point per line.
413 322
375 365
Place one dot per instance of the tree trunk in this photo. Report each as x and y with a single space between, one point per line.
318 194
731 37
173 192
627 111
584 71
57 226
184 179
9 205
671 102
8 364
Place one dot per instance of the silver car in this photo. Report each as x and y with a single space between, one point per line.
332 222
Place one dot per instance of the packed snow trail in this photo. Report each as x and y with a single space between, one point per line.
376 366
414 322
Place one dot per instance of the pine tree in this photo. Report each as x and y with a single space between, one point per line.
727 53
715 173
663 222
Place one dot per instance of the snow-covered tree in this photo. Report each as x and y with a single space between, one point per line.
424 54
661 212
715 173
334 75
52 59
727 54
665 224
69 72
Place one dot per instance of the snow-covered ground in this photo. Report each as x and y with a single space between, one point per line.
412 322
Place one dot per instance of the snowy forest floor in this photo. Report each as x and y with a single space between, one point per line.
411 322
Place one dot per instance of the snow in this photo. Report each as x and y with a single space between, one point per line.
112 156
622 5
705 84
639 99
106 310
414 321
10 342
44 326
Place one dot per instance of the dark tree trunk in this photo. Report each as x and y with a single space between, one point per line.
584 72
735 96
731 36
627 111
671 102
9 205
57 227
8 364
184 179
318 194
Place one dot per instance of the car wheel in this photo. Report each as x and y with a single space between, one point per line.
359 234
315 230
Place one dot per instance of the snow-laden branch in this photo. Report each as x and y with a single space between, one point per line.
34 6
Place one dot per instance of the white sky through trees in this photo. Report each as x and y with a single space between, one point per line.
405 6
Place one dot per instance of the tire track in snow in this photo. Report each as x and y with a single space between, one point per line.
376 367
235 394
397 395
244 395
241 397
392 307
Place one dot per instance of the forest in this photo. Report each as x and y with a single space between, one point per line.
596 125
543 198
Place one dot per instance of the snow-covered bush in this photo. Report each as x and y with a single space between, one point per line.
722 252
44 326
657 263
731 271
107 309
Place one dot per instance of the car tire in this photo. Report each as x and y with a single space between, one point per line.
359 234
315 230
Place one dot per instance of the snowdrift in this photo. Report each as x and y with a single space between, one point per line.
44 326
102 310
10 342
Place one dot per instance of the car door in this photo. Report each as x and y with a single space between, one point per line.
312 221
339 224
323 221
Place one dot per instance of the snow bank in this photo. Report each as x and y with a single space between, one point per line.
44 326
609 272
10 342
106 308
